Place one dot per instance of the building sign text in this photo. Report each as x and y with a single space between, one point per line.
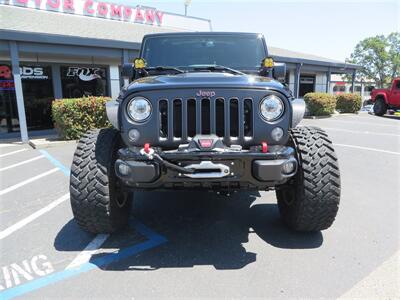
94 8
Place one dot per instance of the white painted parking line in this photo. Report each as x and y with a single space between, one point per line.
6 232
13 152
362 132
91 249
382 283
8 145
22 163
367 148
18 185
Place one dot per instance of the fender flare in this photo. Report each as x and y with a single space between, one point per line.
298 110
112 113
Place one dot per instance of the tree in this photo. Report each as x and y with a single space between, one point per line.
379 57
394 52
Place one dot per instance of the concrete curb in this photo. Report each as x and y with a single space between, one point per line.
14 141
317 117
48 143
332 116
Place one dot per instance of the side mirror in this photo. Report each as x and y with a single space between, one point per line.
127 71
279 71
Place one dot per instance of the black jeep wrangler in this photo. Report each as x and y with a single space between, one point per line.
205 111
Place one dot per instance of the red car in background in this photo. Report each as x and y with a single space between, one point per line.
384 99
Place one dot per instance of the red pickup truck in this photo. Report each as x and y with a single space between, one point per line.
386 98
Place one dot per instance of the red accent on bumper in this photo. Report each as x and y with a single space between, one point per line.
264 147
147 148
205 143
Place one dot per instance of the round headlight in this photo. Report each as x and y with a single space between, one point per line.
139 109
271 108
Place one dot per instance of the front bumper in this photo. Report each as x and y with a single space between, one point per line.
227 170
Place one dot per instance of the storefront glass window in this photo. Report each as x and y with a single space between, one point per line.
38 93
307 85
8 105
79 81
339 89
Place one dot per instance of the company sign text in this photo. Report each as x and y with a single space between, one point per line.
93 8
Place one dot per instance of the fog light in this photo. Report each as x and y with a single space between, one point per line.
134 135
277 134
288 167
123 169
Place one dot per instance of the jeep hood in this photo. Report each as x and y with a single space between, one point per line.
206 80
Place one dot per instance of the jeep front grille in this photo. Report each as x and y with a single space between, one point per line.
182 119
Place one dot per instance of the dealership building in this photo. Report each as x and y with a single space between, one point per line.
51 49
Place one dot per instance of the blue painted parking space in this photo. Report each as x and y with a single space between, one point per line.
153 240
150 239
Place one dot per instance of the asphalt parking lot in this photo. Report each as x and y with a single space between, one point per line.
183 244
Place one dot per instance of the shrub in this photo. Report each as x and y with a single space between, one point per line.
320 104
348 103
73 117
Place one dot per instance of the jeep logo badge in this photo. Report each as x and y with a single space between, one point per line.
201 93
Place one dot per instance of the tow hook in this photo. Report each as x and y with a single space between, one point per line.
262 148
147 151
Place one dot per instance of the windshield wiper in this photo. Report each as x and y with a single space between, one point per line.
213 68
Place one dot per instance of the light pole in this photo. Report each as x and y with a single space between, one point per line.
187 3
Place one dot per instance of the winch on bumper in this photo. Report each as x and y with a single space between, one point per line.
206 163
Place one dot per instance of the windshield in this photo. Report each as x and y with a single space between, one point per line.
238 52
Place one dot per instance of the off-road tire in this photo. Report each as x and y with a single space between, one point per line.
380 107
310 200
98 205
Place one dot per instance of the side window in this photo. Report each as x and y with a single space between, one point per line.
398 84
369 88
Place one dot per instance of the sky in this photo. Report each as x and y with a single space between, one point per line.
326 28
